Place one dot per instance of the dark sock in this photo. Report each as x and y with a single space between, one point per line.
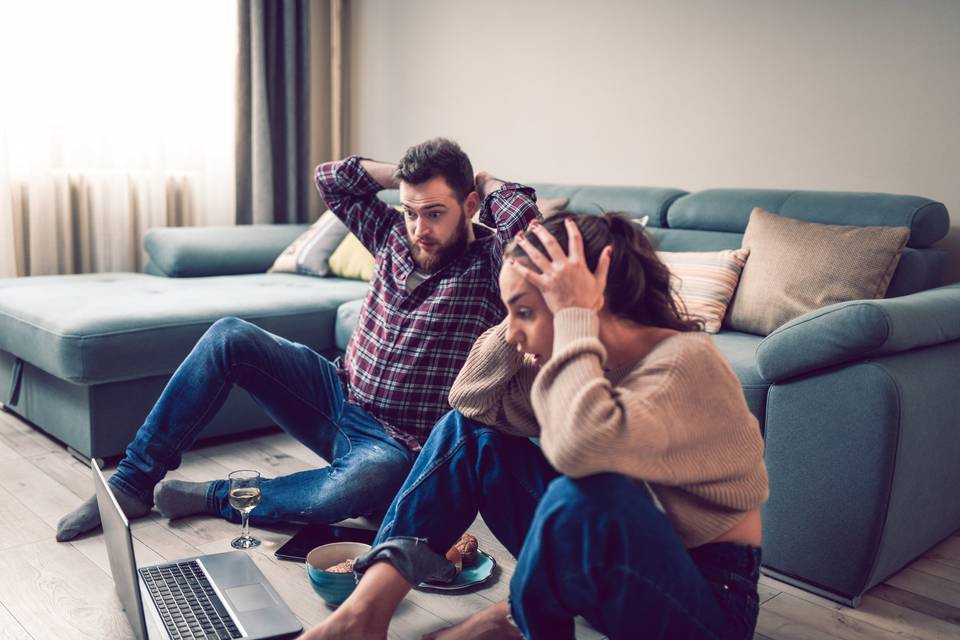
86 517
177 498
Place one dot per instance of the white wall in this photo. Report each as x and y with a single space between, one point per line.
828 94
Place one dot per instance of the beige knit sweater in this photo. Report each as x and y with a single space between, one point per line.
677 419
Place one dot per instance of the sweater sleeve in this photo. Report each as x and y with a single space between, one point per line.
493 387
589 425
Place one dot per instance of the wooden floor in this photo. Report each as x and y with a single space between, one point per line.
63 591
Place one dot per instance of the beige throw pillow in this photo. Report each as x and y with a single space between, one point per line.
796 267
310 253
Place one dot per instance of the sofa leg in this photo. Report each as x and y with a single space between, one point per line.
84 458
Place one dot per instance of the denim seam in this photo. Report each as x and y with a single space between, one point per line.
423 476
335 422
191 431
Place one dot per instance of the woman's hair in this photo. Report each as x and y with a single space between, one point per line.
638 283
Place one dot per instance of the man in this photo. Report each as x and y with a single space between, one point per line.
434 292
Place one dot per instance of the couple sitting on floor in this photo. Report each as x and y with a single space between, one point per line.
639 509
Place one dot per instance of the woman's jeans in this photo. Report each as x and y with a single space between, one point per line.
595 546
300 391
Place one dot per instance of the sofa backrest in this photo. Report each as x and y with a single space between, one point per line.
728 210
715 219
634 202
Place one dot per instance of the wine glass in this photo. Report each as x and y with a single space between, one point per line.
244 496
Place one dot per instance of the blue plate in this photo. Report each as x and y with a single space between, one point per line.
477 574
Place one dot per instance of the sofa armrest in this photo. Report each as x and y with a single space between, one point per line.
858 329
180 252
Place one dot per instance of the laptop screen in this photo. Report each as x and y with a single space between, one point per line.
123 566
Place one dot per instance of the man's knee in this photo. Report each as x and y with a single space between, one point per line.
231 335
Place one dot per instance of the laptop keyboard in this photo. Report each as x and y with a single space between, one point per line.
187 603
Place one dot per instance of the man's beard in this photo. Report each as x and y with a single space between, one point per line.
444 255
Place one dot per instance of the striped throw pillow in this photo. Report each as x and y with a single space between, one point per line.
705 281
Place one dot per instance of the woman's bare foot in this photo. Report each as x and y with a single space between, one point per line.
344 623
488 624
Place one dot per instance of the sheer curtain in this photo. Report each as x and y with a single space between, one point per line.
115 116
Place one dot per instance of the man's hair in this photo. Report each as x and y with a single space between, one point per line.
438 157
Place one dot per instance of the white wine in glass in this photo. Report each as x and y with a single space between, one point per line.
244 496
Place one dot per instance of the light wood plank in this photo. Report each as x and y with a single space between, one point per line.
834 622
19 524
56 592
775 626
875 611
24 438
927 585
920 604
767 591
947 552
62 467
7 452
10 628
37 491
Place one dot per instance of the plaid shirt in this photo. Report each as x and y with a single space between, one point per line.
409 346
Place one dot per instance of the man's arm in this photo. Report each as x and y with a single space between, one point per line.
508 207
349 187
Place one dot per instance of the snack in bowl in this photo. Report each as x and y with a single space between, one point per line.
344 567
330 570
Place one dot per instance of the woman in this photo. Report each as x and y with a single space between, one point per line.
641 510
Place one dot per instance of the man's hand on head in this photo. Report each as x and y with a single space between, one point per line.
382 172
486 184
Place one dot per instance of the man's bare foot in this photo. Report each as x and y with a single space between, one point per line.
488 624
343 623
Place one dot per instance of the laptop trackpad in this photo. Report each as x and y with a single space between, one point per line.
250 598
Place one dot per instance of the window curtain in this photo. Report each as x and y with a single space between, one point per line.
290 105
114 117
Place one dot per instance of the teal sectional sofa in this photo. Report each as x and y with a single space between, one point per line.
857 401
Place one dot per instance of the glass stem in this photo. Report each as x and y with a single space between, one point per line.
245 527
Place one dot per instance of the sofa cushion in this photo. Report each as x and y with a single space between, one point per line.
798 266
97 328
705 282
353 260
310 253
740 350
347 315
729 210
692 239
181 252
860 329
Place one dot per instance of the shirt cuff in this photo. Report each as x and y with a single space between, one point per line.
353 178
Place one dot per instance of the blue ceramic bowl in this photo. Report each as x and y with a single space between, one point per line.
334 588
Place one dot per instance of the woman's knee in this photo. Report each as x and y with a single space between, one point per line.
453 428
612 494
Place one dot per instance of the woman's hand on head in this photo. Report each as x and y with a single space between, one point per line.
565 281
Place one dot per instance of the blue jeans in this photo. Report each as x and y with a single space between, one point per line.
595 546
300 391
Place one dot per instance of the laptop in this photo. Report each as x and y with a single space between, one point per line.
213 597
